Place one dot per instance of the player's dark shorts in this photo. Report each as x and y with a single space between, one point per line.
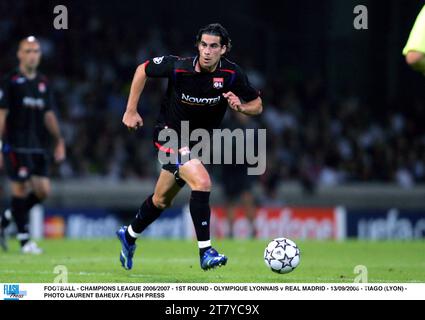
21 166
170 158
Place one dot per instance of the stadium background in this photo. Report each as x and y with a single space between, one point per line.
344 113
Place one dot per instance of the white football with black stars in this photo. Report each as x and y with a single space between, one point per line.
282 255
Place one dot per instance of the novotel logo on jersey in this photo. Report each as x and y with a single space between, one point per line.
200 101
34 103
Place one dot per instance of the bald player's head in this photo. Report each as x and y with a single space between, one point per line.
30 39
29 53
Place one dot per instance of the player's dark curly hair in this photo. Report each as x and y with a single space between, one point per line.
215 29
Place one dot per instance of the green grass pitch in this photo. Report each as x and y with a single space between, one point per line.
175 261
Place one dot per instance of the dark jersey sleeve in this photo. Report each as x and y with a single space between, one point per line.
4 93
49 99
242 88
160 67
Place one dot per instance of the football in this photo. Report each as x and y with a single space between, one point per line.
282 255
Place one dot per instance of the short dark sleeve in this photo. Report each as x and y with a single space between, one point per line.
160 67
4 93
242 87
50 105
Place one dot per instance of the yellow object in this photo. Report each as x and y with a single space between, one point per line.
416 40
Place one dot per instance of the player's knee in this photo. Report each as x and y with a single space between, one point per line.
196 176
161 202
413 58
202 183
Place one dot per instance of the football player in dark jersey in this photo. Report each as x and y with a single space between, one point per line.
26 121
200 89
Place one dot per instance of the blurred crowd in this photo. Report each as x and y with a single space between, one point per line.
324 142
312 137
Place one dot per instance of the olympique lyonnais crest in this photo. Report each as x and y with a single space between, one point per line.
42 87
218 83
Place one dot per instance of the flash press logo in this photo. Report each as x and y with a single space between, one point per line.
12 292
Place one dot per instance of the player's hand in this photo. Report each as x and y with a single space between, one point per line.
132 120
233 101
60 151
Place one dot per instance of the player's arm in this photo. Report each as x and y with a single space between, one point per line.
3 114
251 108
131 118
4 109
52 126
242 97
159 67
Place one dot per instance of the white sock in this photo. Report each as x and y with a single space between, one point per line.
23 236
204 244
132 233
